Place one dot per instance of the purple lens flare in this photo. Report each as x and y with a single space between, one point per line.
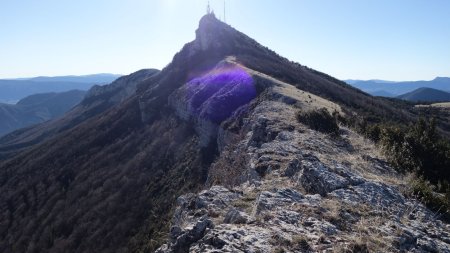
217 94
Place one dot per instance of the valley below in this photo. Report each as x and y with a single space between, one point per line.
229 148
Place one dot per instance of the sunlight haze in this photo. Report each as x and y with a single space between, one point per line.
350 39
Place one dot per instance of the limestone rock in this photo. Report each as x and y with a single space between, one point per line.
269 200
303 191
235 216
182 239
317 178
292 168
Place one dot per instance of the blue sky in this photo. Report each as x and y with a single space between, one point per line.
358 39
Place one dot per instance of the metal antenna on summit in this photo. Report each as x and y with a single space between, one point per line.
208 9
224 17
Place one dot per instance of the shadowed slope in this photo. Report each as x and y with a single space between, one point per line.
36 109
109 182
98 99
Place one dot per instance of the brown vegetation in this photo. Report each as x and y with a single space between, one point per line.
320 120
108 185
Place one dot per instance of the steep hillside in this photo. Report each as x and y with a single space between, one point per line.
97 100
222 112
36 109
426 95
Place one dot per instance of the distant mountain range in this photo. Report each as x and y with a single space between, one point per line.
353 81
227 111
393 89
94 78
95 101
12 90
106 176
37 109
426 95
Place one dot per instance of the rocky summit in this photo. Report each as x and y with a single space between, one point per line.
230 148
282 187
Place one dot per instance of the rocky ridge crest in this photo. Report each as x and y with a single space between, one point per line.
289 187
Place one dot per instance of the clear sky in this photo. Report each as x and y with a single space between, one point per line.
348 39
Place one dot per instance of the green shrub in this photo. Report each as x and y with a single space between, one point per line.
320 120
373 132
425 192
416 148
419 149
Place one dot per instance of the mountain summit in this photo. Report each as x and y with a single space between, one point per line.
216 152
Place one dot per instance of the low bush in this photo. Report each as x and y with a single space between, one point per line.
373 132
420 150
320 120
416 148
426 193
357 247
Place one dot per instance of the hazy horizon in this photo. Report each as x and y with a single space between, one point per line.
395 41
119 74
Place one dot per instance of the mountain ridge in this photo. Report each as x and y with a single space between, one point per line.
37 108
400 87
426 95
97 100
16 89
120 180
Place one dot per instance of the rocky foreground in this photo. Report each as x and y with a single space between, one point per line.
293 189
222 118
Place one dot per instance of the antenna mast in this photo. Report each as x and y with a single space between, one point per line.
208 9
224 17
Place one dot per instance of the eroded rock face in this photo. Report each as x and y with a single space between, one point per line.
317 178
258 218
212 97
234 216
298 190
373 193
192 218
303 191
205 35
121 88
212 35
183 238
